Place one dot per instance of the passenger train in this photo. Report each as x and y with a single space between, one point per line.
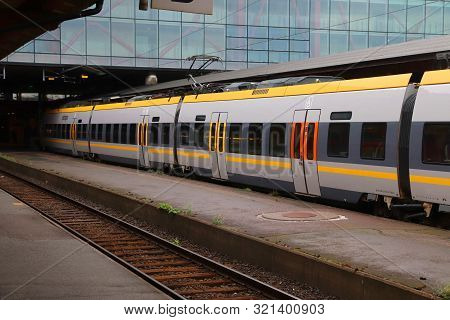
384 140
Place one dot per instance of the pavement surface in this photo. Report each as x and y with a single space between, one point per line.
410 254
39 260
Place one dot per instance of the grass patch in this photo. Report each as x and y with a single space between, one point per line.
176 241
217 221
445 292
168 208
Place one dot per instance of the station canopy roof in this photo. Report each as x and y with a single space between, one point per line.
23 20
414 56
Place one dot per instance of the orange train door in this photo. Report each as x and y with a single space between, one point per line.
305 129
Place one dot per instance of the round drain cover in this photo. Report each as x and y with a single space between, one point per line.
299 215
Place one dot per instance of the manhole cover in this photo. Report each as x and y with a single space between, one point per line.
300 215
304 216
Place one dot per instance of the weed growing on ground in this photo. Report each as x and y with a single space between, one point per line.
218 221
176 241
445 292
168 208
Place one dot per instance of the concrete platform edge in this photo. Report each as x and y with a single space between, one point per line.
331 278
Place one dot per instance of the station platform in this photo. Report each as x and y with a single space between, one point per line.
411 255
39 260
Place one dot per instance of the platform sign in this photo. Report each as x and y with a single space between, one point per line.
193 6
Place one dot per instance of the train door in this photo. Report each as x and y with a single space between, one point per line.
143 142
304 151
73 135
217 139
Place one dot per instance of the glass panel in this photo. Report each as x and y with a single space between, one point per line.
147 39
319 43
199 135
212 138
277 140
416 16
276 57
397 16
436 143
255 138
154 134
338 41
378 15
434 17
302 46
123 133
236 31
279 11
258 13
215 40
44 46
311 141
258 32
234 138
108 133
339 14
236 55
394 38
358 40
150 14
193 39
165 15
299 13
293 56
236 43
29 47
258 56
373 141
169 40
338 140
278 33
377 39
359 14
73 37
320 13
297 139
116 133
98 37
122 34
219 13
258 44
279 45
446 17
122 9
133 133
165 134
237 12
193 17
184 134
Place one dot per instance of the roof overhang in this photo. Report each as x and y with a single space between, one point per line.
414 56
23 20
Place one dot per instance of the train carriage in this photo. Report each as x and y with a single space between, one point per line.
382 139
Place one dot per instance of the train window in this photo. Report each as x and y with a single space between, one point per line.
85 132
93 132
108 133
79 131
212 138
155 119
116 133
199 135
373 141
234 138
255 138
277 140
297 139
311 141
338 140
184 134
59 131
436 143
166 134
100 132
154 134
133 133
200 118
341 115
123 133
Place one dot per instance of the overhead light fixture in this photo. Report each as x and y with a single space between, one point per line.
143 5
51 78
84 76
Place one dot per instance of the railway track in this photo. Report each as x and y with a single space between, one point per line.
180 273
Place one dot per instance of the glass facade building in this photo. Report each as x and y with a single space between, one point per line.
243 33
